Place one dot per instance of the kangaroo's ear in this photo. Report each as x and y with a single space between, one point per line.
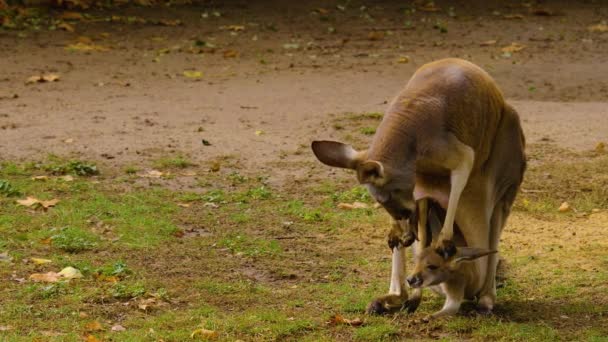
372 172
470 254
337 154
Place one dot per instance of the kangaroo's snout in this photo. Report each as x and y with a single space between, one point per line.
414 281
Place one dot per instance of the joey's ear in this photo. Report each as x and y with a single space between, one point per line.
470 254
337 154
372 172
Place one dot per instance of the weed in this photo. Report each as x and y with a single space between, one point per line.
122 291
131 170
7 189
214 196
177 162
58 166
74 240
367 130
248 246
118 269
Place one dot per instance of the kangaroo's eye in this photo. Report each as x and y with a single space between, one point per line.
432 267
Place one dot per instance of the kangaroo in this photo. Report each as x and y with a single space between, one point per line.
448 136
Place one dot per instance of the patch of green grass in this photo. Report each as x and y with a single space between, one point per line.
496 330
298 209
214 196
365 116
126 291
249 246
118 269
173 162
356 194
256 194
74 240
367 130
131 170
376 331
58 166
7 189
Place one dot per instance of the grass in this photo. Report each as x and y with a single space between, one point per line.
173 162
251 276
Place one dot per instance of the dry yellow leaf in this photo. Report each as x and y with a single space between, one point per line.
564 207
49 277
193 74
184 205
40 261
70 273
83 47
42 78
65 26
204 334
40 178
93 326
68 15
514 47
91 338
152 174
602 27
488 42
28 202
230 53
235 28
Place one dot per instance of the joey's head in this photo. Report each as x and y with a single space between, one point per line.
437 265
392 188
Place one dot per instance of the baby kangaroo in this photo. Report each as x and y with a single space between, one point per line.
454 270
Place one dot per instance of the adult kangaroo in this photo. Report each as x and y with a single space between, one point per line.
448 136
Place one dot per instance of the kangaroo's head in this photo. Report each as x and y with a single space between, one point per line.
391 187
437 265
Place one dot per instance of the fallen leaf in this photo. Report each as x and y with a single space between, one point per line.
259 132
5 257
152 174
84 40
322 11
40 261
211 205
65 26
339 319
68 15
429 7
513 16
215 167
84 47
193 74
67 178
542 12
28 202
564 207
49 203
403 59
354 205
5 327
70 273
291 46
235 28
118 327
184 205
91 338
375 35
166 22
188 173
42 78
144 304
230 53
93 326
601 27
40 178
204 334
69 140
49 277
514 47
488 42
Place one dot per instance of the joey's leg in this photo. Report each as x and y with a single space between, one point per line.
453 300
458 179
422 214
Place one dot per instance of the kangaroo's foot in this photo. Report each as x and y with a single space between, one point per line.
391 303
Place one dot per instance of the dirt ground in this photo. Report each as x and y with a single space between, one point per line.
275 75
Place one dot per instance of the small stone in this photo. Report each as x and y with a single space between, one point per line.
287 224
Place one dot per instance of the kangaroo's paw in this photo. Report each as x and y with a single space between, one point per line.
386 304
400 239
